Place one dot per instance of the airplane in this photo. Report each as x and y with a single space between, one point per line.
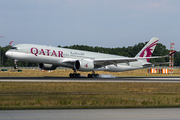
49 58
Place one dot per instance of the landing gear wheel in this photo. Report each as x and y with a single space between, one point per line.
70 75
92 75
15 66
78 74
89 75
74 75
97 75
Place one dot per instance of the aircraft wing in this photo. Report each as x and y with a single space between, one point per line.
125 60
103 62
115 61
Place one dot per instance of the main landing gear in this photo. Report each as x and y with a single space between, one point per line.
74 75
92 75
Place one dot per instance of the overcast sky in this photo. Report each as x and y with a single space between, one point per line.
103 23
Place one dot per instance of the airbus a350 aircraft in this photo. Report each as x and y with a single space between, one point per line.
49 58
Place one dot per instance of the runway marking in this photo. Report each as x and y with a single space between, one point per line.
154 116
107 81
123 79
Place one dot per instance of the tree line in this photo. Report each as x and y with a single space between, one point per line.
129 51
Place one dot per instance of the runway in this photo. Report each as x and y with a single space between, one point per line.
84 79
93 114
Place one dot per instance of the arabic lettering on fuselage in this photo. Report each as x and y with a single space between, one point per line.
48 52
76 53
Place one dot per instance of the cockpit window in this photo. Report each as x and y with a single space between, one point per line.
14 48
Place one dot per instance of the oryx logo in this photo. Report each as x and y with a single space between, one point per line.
147 52
86 65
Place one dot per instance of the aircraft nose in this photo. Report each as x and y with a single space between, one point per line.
8 54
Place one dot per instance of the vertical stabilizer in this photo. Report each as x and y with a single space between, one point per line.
148 49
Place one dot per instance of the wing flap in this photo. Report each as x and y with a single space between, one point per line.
114 61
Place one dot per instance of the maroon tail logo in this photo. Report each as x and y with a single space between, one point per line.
86 65
148 51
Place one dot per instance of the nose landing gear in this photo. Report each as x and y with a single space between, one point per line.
15 64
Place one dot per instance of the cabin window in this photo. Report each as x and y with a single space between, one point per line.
14 48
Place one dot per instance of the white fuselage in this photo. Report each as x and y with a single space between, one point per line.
61 56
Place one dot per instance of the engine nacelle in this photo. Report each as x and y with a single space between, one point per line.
47 66
84 65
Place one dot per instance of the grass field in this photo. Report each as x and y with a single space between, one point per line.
23 95
26 95
65 73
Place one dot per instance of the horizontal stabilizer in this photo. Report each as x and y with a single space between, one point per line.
153 64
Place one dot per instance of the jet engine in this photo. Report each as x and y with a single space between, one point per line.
47 66
84 65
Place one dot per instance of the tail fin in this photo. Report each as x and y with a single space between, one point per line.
148 49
